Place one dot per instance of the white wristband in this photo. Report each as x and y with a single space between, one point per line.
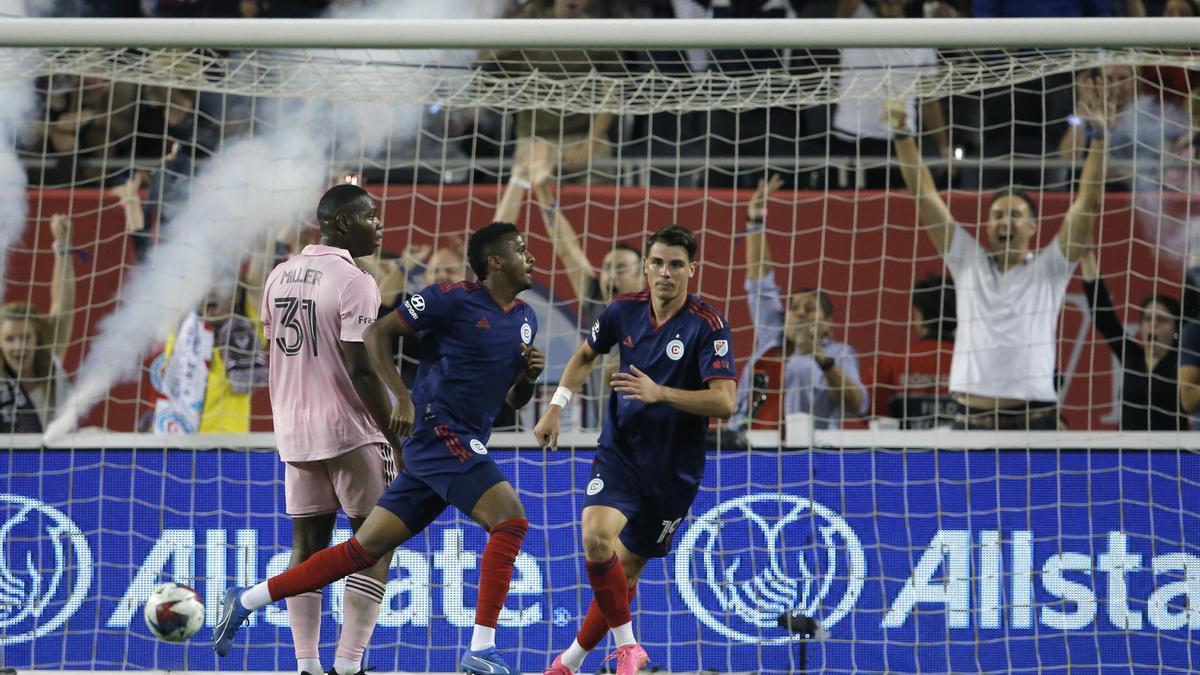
562 396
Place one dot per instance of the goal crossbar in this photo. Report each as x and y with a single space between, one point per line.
601 33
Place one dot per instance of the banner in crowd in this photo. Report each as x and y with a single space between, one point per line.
911 561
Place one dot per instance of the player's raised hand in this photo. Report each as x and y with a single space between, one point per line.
130 195
1100 108
637 386
535 361
534 162
403 414
60 229
895 116
758 203
539 172
545 432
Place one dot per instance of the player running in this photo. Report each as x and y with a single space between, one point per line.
676 372
480 338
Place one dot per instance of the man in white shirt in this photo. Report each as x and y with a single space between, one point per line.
1008 296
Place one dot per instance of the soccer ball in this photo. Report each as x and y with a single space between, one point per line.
174 612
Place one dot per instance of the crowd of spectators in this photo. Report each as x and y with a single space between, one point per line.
984 346
95 131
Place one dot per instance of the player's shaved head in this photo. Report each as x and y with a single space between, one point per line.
485 243
337 200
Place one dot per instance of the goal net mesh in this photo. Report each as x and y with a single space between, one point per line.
185 175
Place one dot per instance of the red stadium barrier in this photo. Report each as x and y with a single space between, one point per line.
859 247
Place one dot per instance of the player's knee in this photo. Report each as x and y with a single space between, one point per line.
379 541
499 512
304 548
379 571
509 509
598 546
375 548
633 568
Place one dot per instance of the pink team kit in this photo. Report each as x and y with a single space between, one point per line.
333 453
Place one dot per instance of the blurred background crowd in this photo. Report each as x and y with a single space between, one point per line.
94 132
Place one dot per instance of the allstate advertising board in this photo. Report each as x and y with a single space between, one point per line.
911 561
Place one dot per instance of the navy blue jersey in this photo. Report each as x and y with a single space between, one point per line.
691 348
470 354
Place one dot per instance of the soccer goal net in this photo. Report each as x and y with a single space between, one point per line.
145 193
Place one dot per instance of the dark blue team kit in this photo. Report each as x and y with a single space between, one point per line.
651 457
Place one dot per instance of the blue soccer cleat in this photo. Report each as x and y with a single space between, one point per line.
486 662
233 615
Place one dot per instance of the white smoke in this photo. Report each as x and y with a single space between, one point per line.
251 189
248 191
16 108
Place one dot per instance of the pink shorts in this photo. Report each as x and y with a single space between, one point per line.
352 482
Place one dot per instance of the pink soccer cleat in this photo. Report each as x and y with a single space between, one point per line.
629 658
558 667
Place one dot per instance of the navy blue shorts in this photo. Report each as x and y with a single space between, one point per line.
655 508
441 467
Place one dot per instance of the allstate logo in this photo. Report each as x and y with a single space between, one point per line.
45 569
748 560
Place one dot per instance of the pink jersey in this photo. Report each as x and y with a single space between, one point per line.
312 303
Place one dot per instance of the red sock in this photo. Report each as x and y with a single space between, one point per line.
321 569
610 590
496 569
595 627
